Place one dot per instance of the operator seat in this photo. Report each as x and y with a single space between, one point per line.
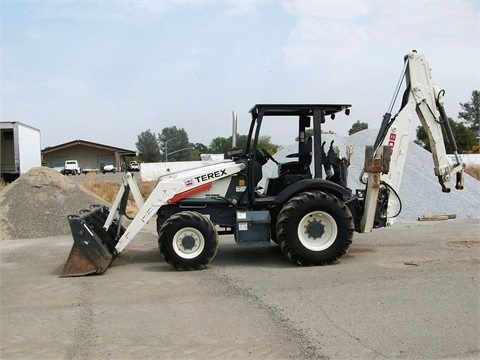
302 166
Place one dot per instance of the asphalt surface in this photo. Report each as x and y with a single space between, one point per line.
410 291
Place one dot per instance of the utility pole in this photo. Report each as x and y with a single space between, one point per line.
166 148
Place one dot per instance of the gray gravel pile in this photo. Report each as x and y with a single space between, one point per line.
420 191
36 205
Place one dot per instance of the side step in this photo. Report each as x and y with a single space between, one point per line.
93 247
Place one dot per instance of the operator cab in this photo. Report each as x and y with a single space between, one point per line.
309 143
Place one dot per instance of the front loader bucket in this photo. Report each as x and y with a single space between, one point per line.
93 247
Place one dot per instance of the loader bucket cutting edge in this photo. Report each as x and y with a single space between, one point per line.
93 247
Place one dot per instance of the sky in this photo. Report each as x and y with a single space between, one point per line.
106 71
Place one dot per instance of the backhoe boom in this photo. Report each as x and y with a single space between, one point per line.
425 99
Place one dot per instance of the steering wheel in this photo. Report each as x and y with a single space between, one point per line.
267 155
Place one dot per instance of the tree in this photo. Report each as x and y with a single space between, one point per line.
241 141
471 112
220 145
264 142
174 144
357 126
201 148
464 137
147 146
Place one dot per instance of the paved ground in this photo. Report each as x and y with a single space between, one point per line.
410 291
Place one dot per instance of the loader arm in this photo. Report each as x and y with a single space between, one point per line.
98 234
174 188
425 99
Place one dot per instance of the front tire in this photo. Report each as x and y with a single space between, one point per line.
314 228
188 241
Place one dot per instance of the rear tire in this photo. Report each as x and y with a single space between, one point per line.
188 241
314 228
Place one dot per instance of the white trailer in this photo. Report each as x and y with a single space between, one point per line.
19 149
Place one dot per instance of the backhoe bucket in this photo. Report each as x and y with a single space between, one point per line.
93 247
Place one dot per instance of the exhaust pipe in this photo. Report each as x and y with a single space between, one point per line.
93 247
234 129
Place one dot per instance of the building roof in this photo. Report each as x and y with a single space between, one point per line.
123 152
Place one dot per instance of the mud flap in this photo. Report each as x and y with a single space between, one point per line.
93 247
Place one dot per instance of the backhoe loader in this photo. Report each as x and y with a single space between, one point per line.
307 209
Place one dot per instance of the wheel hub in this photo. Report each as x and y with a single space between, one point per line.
315 229
188 242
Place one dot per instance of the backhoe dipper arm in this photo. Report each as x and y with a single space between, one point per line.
423 97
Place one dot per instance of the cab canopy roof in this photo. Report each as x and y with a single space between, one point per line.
298 109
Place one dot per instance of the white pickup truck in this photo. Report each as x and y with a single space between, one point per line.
134 166
107 168
71 167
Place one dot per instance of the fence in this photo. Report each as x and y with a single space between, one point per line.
468 159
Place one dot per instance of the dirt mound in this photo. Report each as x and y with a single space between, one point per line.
36 205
